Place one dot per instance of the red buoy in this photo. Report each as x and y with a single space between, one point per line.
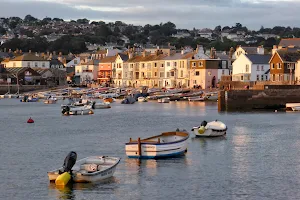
30 120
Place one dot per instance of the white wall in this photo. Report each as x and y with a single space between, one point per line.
33 64
261 70
73 62
239 65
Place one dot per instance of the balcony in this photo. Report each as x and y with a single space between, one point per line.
87 70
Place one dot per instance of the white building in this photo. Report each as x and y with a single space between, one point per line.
251 67
119 71
73 62
88 72
28 60
181 34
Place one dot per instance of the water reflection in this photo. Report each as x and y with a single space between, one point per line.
203 141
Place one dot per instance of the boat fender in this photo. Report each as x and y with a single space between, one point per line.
201 130
63 179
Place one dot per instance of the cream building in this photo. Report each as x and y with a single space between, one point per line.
28 60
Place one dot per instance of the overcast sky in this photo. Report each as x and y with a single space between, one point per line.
184 13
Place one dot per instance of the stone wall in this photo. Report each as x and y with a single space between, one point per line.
24 88
243 100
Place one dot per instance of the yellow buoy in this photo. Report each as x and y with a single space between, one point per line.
63 179
201 130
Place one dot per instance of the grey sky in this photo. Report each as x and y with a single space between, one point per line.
184 13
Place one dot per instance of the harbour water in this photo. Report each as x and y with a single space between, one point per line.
258 159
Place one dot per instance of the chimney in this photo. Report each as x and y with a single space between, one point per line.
144 53
212 53
182 51
231 52
260 50
169 44
48 53
169 52
274 49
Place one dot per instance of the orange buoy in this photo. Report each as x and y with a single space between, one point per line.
30 120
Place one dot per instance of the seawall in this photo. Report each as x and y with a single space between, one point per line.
25 88
246 100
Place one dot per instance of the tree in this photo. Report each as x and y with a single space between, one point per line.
218 29
83 21
58 20
29 18
103 31
2 31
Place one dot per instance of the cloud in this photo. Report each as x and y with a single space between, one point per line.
185 14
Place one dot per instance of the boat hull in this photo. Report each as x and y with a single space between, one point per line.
79 177
209 133
156 151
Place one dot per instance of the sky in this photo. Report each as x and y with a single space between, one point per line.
186 14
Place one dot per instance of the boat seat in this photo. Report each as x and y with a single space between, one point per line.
94 161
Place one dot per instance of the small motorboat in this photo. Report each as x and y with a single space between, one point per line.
210 129
128 100
109 100
211 96
79 110
142 99
100 105
89 169
51 100
168 144
164 100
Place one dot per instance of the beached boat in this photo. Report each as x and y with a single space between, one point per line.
163 100
29 99
168 144
199 98
89 169
110 100
210 129
79 110
100 105
142 99
296 108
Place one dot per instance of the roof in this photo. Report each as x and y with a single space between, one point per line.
124 57
92 62
250 50
141 58
41 70
259 59
108 59
290 42
101 52
18 70
55 62
28 57
267 72
178 56
288 56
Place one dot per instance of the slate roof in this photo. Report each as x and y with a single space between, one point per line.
92 62
55 62
290 42
250 50
123 56
41 70
259 59
108 59
28 57
288 56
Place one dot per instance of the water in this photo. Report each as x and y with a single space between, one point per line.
258 159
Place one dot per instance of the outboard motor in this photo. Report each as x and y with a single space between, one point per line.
69 161
93 104
204 123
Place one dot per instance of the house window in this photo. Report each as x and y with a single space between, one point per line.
223 71
262 68
242 78
278 66
247 68
257 77
168 64
35 64
272 66
195 82
194 64
197 73
125 74
43 64
262 77
273 77
28 64
155 74
257 68
181 73
143 65
200 64
75 62
175 64
143 74
172 73
161 74
155 64
168 74
266 77
162 65
148 74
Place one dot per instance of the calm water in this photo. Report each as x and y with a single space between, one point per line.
258 159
